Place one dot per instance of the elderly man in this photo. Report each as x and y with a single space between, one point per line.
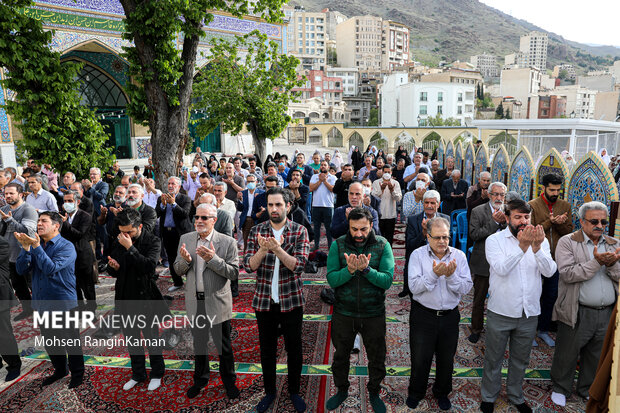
453 192
210 261
389 192
438 278
486 220
360 267
411 172
40 199
224 224
341 187
340 222
443 174
416 234
364 172
478 194
135 200
412 200
588 289
173 211
220 189
517 257
95 188
108 213
272 170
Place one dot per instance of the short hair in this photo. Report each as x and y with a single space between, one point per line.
418 154
436 220
292 172
387 166
270 164
592 206
347 165
485 174
431 194
424 153
96 170
278 191
271 178
300 153
552 178
423 169
136 168
356 183
7 173
222 184
204 175
449 157
70 173
250 175
517 205
497 183
129 216
251 158
54 216
209 195
290 197
236 159
76 195
368 156
176 178
366 179
15 185
11 169
79 184
28 171
511 196
360 213
454 171
120 186
140 189
37 178
212 208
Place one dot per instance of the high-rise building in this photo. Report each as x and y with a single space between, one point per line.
570 71
307 37
395 45
515 60
486 64
359 42
534 46
333 19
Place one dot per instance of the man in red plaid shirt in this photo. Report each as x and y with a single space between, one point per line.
277 250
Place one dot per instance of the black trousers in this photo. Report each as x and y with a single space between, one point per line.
290 323
85 286
171 238
547 300
386 226
221 338
344 329
8 344
59 354
136 352
435 335
481 289
21 285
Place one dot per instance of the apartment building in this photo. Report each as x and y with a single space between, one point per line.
359 42
580 101
571 74
333 19
307 37
349 76
515 60
534 46
486 64
320 85
520 84
394 46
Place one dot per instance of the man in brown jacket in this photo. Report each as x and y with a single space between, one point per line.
554 214
588 289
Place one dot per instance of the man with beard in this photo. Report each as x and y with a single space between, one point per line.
555 216
453 192
133 258
360 267
322 187
135 200
18 217
299 190
478 194
108 213
8 345
341 187
277 250
517 256
443 174
589 274
210 261
486 220
340 226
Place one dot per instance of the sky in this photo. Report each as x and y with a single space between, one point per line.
592 22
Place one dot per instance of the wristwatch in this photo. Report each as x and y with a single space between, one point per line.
365 271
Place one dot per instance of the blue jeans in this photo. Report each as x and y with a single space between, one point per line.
322 215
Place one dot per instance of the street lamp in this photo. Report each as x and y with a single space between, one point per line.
419 121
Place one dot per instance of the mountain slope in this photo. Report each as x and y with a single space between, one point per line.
457 29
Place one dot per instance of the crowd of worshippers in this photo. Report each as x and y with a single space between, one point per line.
539 273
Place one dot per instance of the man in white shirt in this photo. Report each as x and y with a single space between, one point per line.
517 257
321 186
438 278
39 198
388 191
223 203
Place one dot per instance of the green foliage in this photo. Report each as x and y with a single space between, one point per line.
373 118
437 120
507 114
499 112
56 129
563 74
254 89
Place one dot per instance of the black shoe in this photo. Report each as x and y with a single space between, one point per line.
232 391
298 403
195 389
487 407
444 403
265 402
474 337
412 403
12 375
53 378
75 381
523 408
403 293
23 315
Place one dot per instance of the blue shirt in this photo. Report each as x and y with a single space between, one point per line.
169 220
53 276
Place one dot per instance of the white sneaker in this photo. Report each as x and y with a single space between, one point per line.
130 384
174 288
154 383
558 398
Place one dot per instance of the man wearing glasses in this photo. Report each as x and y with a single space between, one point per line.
554 214
210 261
588 286
438 278
485 220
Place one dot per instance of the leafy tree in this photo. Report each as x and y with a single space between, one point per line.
563 74
507 114
499 112
373 118
438 120
56 129
163 76
250 90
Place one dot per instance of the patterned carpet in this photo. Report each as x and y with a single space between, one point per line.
108 369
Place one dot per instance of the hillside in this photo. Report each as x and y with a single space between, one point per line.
456 29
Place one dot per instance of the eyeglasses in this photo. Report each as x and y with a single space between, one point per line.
603 222
440 237
204 217
499 194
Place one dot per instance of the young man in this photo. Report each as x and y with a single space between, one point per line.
277 250
322 187
360 267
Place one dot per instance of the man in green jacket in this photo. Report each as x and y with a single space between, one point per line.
360 267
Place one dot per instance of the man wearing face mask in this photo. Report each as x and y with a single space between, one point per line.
388 190
135 200
369 199
108 213
77 227
322 187
360 267
519 256
246 222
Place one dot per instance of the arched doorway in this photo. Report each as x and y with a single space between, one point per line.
334 138
356 140
509 142
431 142
315 136
379 140
406 141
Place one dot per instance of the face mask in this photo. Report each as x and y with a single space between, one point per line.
195 169
387 177
366 190
281 163
69 207
251 185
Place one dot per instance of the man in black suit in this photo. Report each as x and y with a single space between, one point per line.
135 200
486 219
173 212
8 344
442 174
78 228
86 204
453 192
299 189
415 236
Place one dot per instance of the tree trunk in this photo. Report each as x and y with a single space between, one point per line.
259 142
168 140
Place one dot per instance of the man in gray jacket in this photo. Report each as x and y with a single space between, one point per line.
587 291
18 216
210 261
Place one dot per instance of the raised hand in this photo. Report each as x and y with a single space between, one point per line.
125 240
206 253
346 212
262 242
112 263
538 234
363 261
115 211
5 216
440 269
273 244
185 254
450 268
499 216
351 262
